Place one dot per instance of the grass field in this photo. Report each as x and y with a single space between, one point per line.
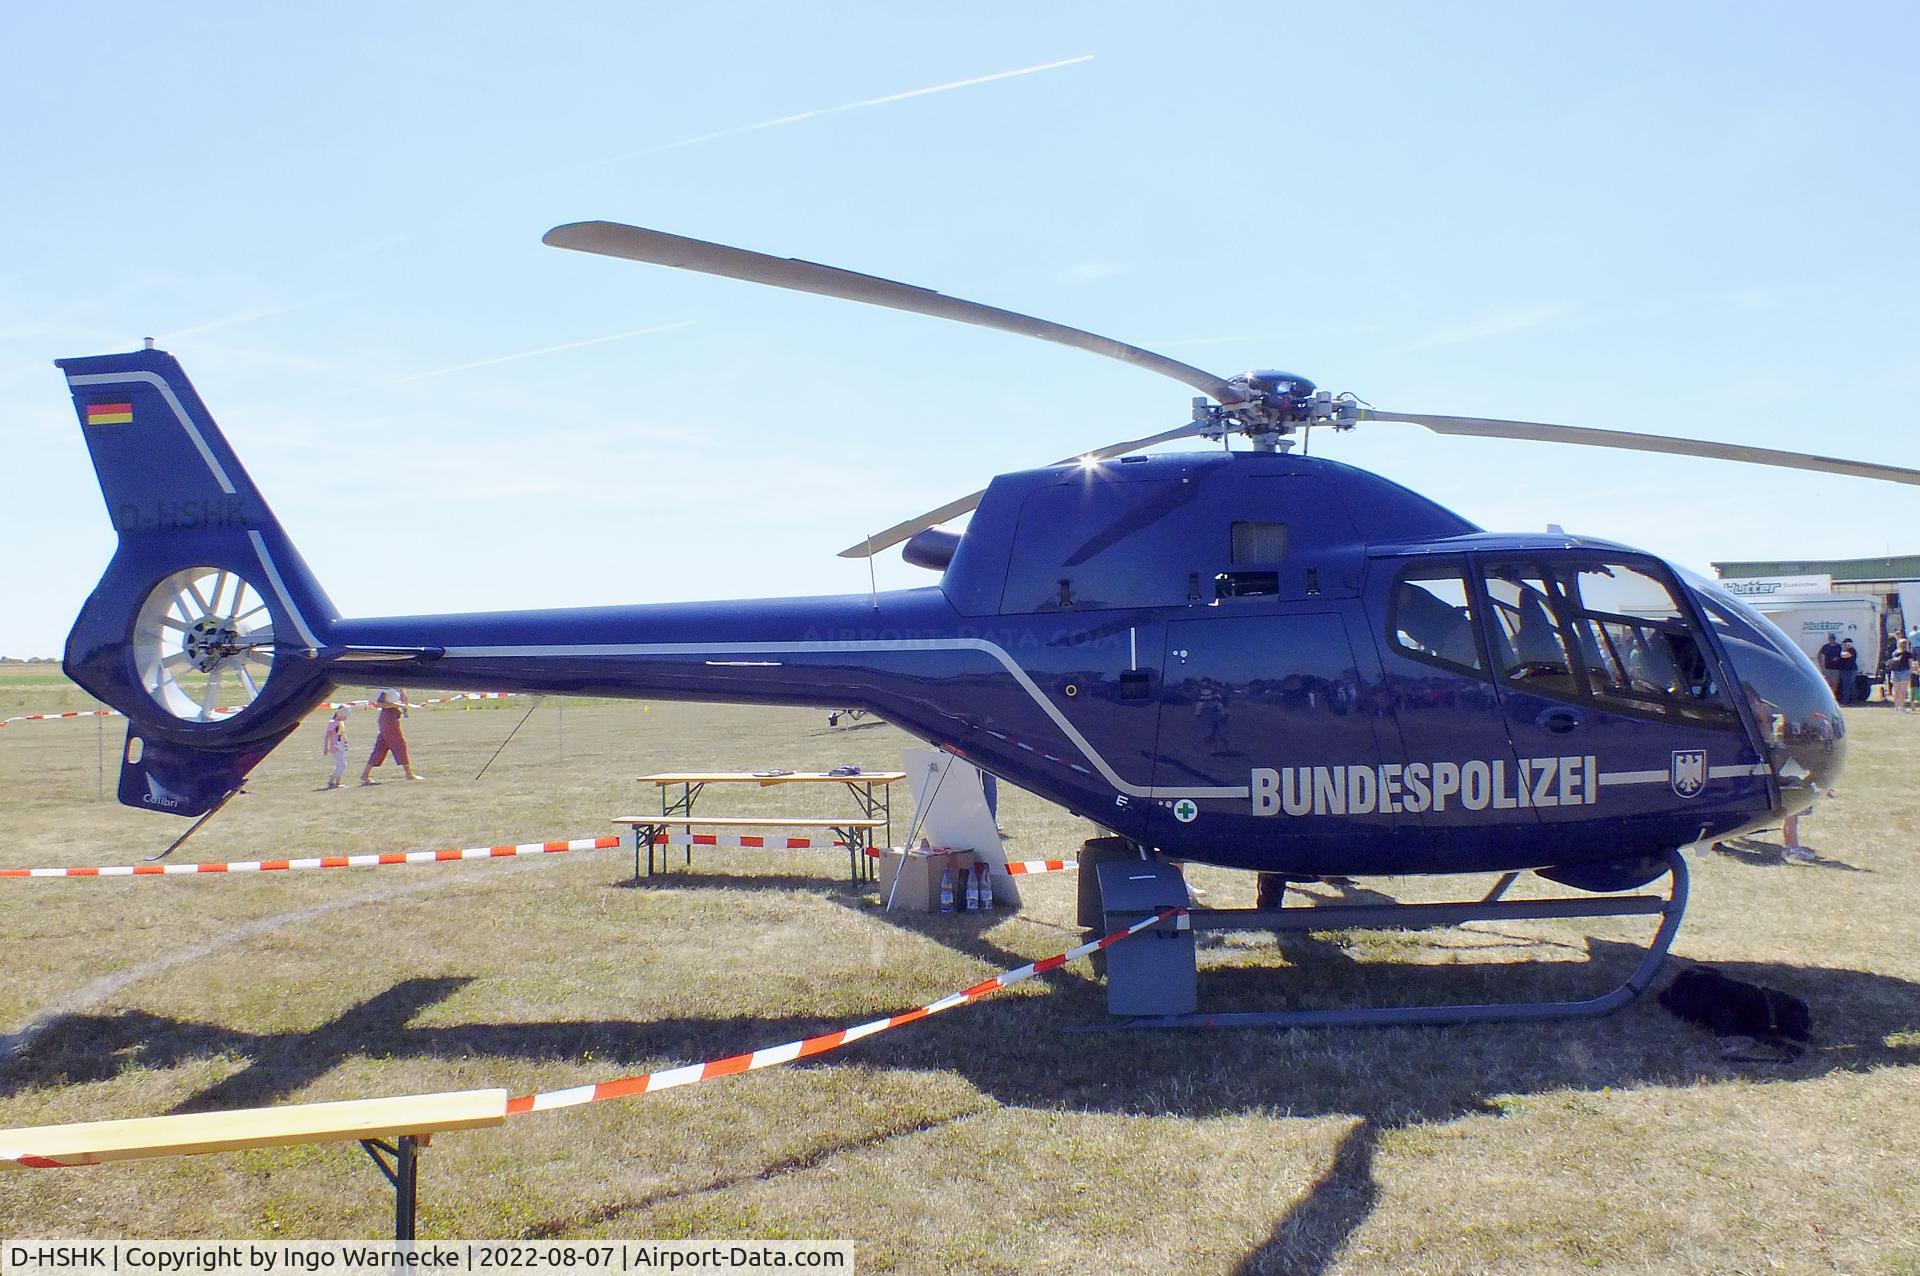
986 1139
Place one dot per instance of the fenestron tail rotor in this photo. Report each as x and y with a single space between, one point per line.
203 642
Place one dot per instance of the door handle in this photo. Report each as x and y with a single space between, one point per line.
1559 721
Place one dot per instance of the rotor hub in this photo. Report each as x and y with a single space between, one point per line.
1271 406
209 642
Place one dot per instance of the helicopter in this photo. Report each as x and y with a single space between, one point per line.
1247 657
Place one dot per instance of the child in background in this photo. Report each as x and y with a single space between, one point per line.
1790 832
335 746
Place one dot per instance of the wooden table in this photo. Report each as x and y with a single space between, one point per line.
871 791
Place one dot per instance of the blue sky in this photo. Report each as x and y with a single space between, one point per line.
1687 219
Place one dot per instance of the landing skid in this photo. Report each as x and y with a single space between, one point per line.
1152 979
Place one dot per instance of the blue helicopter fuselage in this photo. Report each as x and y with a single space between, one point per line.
1261 660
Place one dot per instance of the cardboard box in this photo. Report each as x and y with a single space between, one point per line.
918 871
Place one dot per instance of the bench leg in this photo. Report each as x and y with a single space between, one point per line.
643 835
404 1173
856 839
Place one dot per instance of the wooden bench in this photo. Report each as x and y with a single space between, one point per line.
410 1120
645 830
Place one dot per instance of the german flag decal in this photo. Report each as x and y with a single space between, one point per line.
109 414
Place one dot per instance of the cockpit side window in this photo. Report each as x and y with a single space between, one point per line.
1613 633
1431 617
1638 651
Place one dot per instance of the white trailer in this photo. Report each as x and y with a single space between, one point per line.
1809 621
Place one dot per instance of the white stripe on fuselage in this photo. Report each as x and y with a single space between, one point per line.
849 647
1584 792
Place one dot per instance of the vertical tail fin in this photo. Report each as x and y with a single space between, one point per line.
207 628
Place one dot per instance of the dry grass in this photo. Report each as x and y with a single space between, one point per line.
986 1140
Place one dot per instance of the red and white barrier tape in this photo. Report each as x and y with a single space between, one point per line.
1015 868
235 708
325 861
71 713
32 1162
455 699
810 1046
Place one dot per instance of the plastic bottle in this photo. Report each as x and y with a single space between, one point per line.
946 888
973 888
986 886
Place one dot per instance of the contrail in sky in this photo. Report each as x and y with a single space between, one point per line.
876 101
510 358
227 321
528 354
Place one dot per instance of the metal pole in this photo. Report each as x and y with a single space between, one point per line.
560 712
406 1188
100 759
509 740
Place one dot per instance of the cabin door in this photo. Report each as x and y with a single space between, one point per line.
1458 767
1604 677
1248 698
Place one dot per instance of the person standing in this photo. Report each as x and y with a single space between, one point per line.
1830 664
1849 671
1900 671
335 746
393 706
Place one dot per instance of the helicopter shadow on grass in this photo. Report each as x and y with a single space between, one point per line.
1009 1050
1383 1077
1758 854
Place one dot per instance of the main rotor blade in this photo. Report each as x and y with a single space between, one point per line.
613 239
1486 427
954 509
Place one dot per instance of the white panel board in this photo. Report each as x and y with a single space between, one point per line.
950 809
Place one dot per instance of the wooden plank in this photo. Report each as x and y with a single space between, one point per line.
792 777
721 822
192 1133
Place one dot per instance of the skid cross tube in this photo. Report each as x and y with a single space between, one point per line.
1670 910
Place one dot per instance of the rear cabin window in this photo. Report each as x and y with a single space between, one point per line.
1529 643
1431 618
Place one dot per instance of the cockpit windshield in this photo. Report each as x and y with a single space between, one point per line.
1788 696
